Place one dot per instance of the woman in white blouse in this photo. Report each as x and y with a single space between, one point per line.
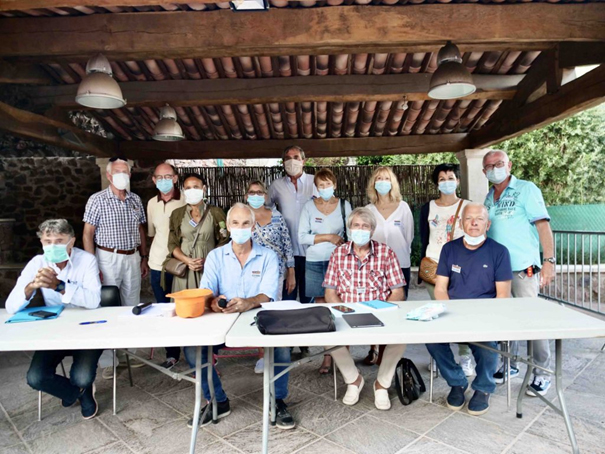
394 225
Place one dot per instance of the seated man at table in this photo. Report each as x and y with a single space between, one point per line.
365 270
473 266
246 275
66 276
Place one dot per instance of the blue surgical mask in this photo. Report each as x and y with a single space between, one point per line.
326 193
164 186
55 253
448 187
240 236
383 187
474 240
497 175
256 201
360 237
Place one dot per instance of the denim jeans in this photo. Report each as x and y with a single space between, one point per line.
282 355
299 271
42 374
160 297
487 365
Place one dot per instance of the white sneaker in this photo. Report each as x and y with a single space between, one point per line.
352 395
381 398
467 365
259 368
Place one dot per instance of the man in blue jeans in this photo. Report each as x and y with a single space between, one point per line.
245 274
66 276
473 266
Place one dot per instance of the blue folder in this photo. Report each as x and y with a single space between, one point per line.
23 315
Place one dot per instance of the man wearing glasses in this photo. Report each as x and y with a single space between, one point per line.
159 209
520 221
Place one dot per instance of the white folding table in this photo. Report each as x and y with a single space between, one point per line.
123 331
471 321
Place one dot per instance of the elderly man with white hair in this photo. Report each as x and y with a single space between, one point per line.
364 270
245 274
473 266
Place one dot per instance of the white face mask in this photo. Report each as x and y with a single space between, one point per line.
293 167
497 175
474 240
120 181
193 196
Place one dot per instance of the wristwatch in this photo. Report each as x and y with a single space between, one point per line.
61 287
550 260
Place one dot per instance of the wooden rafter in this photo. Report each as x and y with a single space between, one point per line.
23 73
12 5
26 124
301 31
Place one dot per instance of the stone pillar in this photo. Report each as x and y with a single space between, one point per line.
102 163
473 183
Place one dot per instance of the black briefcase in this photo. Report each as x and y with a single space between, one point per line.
299 321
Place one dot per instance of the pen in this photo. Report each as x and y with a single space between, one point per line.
93 323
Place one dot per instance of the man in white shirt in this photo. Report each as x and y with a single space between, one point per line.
290 194
66 276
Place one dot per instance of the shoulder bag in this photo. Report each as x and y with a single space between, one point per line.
428 267
178 268
299 321
344 219
408 381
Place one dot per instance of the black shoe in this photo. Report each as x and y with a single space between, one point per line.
283 418
89 403
499 376
169 363
455 399
223 409
478 404
304 352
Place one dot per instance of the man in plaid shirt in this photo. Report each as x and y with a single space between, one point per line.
365 270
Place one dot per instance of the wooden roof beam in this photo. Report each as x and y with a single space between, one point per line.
242 149
333 30
23 73
37 127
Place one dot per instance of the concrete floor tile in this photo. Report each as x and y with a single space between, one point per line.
249 440
322 415
55 420
8 436
76 439
296 396
323 446
115 448
506 417
242 415
238 381
531 444
16 449
174 438
418 417
427 446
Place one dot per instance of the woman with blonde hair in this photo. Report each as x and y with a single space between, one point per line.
394 226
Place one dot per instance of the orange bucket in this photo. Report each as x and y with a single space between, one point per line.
191 303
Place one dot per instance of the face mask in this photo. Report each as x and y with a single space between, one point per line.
293 167
326 193
56 253
164 186
360 237
448 187
383 187
240 236
474 240
120 181
256 201
193 196
497 175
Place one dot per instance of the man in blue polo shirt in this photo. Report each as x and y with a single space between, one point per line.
520 222
473 266
245 274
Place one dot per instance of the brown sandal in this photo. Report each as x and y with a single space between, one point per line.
372 357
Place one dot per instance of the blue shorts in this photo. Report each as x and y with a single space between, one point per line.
314 277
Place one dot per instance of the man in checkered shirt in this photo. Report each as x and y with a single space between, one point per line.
363 270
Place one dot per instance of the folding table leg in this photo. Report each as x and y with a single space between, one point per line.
115 381
266 399
506 346
431 379
272 385
198 398
530 355
39 405
559 385
335 383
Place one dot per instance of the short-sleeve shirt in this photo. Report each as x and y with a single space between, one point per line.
116 221
513 219
369 279
224 275
158 227
474 273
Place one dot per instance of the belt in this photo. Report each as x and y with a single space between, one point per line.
118 251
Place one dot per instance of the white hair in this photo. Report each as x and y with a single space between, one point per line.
111 163
493 152
57 227
365 215
474 205
245 207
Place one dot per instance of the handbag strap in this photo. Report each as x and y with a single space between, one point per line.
344 219
456 219
199 227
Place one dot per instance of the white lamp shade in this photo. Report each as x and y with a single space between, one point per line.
98 64
100 91
168 130
451 80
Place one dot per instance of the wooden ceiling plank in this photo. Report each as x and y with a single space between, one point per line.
23 73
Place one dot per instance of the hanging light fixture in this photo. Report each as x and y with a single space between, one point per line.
98 89
452 79
167 129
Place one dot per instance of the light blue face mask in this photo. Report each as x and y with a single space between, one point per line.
55 253
326 193
164 186
360 237
240 236
474 240
256 201
497 175
383 187
448 187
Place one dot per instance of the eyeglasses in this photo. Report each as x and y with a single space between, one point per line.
256 193
499 165
163 177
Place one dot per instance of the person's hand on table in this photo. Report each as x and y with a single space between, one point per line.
45 278
238 305
214 305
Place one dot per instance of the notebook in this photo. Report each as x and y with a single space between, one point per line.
23 315
379 305
362 320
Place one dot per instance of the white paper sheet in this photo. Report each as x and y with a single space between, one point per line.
287 305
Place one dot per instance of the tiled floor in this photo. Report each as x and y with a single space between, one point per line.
152 415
